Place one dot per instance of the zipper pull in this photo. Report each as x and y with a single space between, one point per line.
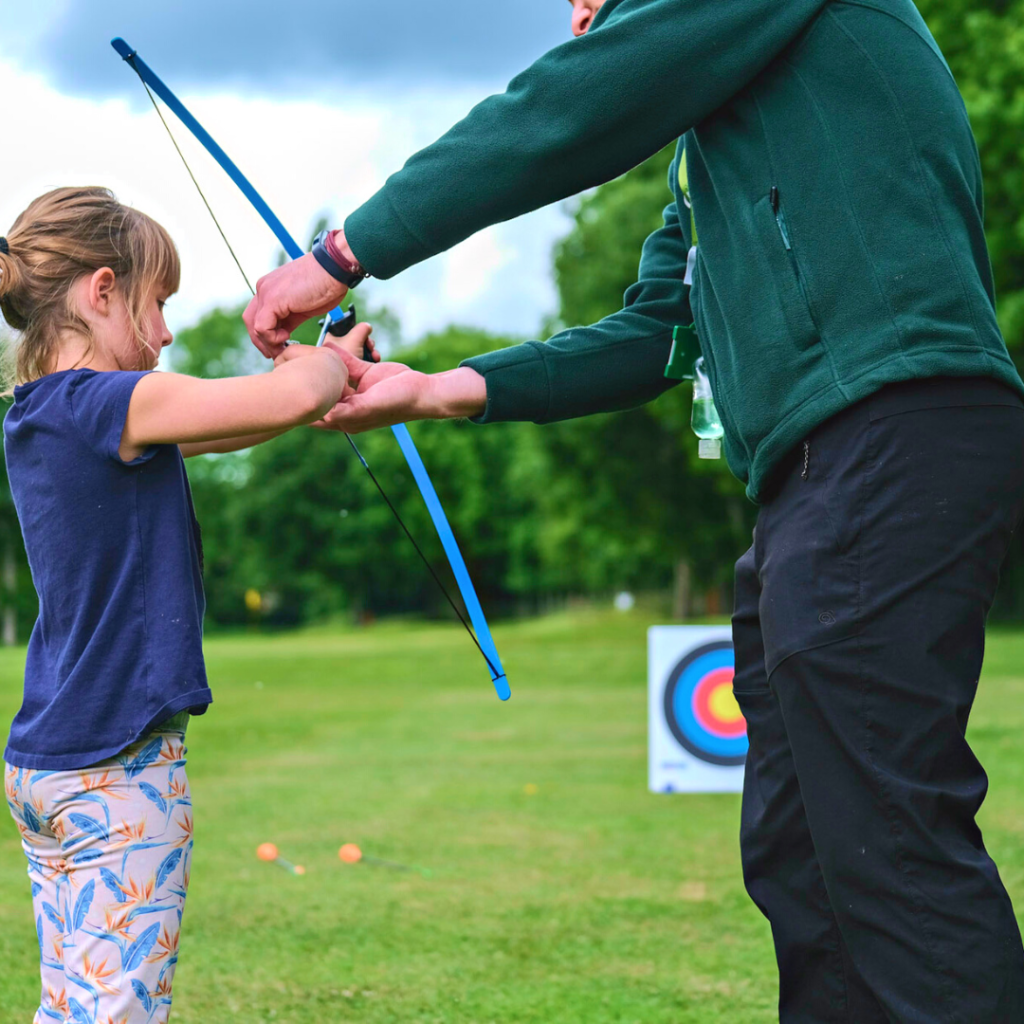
807 460
780 217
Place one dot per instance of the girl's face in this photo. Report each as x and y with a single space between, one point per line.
154 331
114 345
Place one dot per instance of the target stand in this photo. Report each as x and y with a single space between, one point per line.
697 735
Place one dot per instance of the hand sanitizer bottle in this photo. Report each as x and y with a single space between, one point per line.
704 420
686 363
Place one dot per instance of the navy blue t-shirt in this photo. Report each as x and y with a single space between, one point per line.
116 558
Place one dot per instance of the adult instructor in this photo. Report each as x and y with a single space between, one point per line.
843 299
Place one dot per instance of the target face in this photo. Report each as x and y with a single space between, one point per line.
700 708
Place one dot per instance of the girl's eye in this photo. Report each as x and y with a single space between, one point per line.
160 304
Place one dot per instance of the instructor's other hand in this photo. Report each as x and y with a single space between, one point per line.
383 394
287 297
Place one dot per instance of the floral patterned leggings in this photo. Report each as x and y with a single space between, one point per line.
109 851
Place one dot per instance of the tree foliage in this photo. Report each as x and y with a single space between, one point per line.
983 41
658 505
586 506
610 225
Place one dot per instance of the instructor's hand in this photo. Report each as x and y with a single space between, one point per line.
287 297
383 394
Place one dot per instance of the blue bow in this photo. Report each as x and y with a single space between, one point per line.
483 638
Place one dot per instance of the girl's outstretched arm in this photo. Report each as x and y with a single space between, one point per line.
354 343
202 415
229 444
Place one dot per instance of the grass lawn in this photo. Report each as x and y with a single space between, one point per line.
589 901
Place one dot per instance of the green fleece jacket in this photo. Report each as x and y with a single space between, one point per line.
836 189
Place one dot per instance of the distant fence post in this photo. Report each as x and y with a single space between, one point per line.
681 588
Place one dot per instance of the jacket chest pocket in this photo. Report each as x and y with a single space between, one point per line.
786 288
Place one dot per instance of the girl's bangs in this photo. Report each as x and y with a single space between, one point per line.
160 265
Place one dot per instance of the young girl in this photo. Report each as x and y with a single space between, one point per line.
95 773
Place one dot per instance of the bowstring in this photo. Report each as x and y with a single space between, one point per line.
495 674
202 195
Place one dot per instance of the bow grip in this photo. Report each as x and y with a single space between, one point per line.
339 328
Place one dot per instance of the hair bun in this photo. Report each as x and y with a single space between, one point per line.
11 279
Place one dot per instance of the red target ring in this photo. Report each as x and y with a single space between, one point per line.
715 706
700 709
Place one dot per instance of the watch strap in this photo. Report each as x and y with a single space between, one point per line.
341 270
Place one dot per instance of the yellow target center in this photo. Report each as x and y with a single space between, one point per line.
723 706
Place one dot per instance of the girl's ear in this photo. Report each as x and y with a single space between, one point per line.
102 285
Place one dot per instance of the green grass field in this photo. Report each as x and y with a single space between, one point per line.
590 901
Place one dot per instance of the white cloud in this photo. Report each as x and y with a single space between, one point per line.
306 158
471 268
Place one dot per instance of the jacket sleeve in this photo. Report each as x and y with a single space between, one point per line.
617 363
584 113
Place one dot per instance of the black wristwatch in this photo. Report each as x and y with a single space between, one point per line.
345 274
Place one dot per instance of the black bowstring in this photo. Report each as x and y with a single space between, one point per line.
437 579
495 674
202 195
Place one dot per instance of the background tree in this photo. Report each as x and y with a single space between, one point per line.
663 516
582 507
983 41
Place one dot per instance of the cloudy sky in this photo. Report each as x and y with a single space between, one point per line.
316 100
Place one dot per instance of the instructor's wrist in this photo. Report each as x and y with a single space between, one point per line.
337 245
457 393
338 259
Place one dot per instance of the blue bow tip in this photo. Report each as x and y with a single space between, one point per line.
123 49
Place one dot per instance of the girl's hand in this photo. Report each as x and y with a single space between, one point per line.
324 366
355 341
297 351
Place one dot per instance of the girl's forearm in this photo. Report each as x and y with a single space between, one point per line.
228 444
174 409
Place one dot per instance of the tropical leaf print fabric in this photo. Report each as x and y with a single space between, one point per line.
109 854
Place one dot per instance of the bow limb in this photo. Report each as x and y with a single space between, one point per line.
483 637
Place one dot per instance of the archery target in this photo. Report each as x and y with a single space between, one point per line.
700 709
698 738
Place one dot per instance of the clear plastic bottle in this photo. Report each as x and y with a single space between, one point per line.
686 363
705 420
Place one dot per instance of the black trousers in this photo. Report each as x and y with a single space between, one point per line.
859 631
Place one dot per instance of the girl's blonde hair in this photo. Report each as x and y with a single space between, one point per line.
62 236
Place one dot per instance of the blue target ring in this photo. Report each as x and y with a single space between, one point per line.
699 709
